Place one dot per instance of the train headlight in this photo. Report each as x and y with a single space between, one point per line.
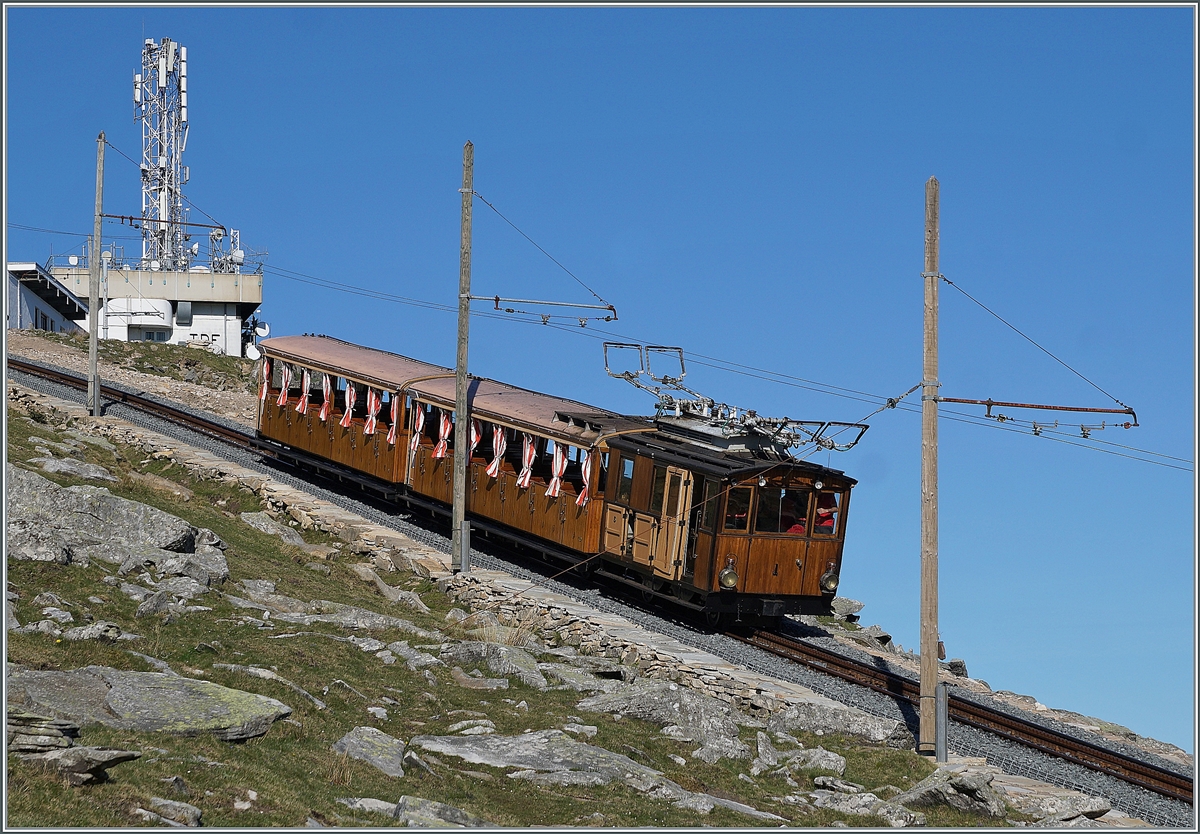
829 582
728 578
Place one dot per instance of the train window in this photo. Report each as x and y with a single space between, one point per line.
781 511
625 479
828 506
602 482
737 513
656 490
711 492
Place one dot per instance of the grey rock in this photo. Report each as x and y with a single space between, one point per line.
58 615
415 812
467 682
971 792
840 785
1059 806
821 717
101 630
957 667
391 594
267 674
585 730
817 758
578 679
318 567
563 778
182 587
82 765
156 603
180 812
153 818
843 607
290 610
93 441
416 660
374 747
75 468
135 592
265 524
701 718
867 804
144 701
503 660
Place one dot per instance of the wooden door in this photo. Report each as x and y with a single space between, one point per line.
615 530
645 534
673 525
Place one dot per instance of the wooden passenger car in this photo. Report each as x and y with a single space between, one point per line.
715 522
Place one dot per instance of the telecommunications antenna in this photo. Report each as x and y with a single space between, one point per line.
160 101
253 352
263 330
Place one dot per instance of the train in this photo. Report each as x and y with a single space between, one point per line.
704 509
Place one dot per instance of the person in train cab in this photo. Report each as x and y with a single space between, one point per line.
792 520
826 513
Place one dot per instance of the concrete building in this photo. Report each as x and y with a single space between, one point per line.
197 306
38 300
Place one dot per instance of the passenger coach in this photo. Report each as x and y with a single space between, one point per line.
719 522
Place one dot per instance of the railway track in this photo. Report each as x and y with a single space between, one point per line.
1063 746
1060 745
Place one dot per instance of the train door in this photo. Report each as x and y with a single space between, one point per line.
673 523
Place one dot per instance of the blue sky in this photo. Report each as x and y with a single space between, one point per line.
748 184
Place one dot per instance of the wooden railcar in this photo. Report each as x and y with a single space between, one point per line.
727 524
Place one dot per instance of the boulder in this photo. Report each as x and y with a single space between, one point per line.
265 524
82 765
687 715
391 594
503 660
416 659
415 812
180 812
867 804
290 610
144 701
970 792
375 747
823 715
75 468
1059 805
467 682
845 608
817 758
578 679
101 630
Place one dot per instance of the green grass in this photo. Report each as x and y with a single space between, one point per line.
160 359
292 768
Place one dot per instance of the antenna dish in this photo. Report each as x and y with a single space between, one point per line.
252 352
73 260
195 249
263 330
155 265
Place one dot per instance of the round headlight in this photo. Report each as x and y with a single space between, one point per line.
829 582
727 578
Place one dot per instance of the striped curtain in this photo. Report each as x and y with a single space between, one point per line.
325 385
391 435
285 374
351 399
586 464
262 394
558 466
499 447
444 427
528 455
476 433
305 384
374 403
418 426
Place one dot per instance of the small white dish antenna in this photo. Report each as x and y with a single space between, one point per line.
155 265
263 330
73 260
252 352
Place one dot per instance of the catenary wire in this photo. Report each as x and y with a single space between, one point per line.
539 248
1032 342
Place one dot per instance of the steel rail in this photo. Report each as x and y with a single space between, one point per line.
1053 742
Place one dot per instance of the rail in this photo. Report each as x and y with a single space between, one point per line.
1050 741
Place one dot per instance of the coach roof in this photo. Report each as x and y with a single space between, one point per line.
542 414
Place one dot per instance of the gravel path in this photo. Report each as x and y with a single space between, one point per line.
966 741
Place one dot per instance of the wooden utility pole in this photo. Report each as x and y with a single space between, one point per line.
926 743
462 429
93 395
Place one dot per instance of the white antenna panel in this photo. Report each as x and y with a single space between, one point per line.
162 72
183 54
182 83
183 100
183 116
137 88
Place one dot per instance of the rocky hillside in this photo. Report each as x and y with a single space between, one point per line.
180 652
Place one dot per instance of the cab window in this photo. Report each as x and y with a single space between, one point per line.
625 479
656 490
781 510
825 516
737 510
708 517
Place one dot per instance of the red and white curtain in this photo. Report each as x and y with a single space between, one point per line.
285 374
418 426
476 433
351 399
305 384
325 386
444 428
499 447
586 465
558 466
391 436
266 373
374 403
528 455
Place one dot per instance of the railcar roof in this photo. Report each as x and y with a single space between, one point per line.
575 423
718 463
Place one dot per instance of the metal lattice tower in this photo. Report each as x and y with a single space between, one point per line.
160 104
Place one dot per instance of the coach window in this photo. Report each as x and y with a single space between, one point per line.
825 518
624 479
737 510
600 459
708 516
656 490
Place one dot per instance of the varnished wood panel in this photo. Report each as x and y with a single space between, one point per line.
777 565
